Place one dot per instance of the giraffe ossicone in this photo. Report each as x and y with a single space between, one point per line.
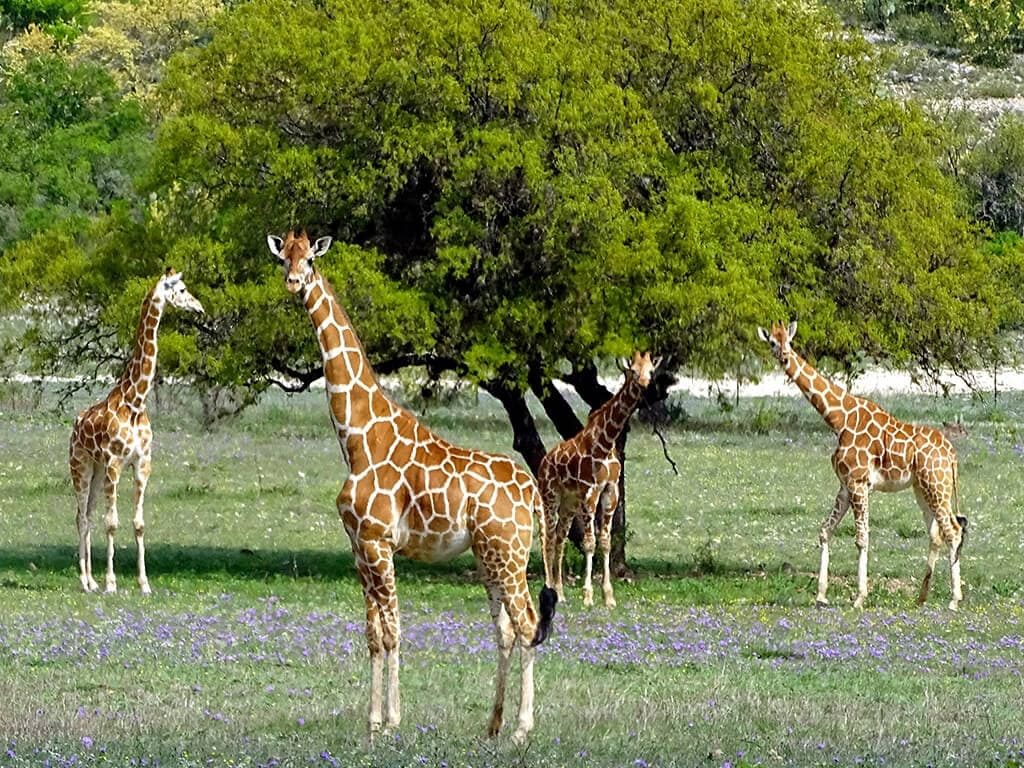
877 451
581 474
115 433
410 492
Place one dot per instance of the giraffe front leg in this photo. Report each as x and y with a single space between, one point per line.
842 504
113 474
609 502
859 501
142 471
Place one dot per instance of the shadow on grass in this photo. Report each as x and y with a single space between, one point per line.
22 567
240 563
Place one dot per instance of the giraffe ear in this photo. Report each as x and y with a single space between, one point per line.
791 331
656 362
762 334
275 243
321 245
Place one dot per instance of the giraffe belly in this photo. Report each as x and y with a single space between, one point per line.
888 482
430 546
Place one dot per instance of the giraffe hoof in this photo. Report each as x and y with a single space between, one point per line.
859 603
520 736
821 602
609 602
953 606
145 589
110 589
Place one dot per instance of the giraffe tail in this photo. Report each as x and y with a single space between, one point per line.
963 535
548 601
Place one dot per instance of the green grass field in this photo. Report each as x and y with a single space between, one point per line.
251 649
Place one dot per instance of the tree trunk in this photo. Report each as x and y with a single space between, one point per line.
525 437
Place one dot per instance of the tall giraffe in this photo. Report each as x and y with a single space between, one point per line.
410 492
582 472
115 433
877 450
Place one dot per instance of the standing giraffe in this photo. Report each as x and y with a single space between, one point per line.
115 433
579 473
410 492
879 451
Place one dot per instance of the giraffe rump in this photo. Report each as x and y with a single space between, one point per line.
548 600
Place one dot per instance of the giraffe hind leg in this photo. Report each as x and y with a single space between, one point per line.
87 483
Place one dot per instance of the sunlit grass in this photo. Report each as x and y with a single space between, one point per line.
251 650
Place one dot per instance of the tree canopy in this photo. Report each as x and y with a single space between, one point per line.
522 187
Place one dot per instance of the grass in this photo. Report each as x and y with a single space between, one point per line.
251 650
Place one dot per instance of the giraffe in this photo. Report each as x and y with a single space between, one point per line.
582 472
115 433
876 450
410 492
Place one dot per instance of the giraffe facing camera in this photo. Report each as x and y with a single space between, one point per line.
410 492
115 433
582 473
878 451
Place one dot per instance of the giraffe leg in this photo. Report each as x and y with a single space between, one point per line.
589 542
548 532
842 504
609 502
952 531
565 518
142 470
383 630
85 496
859 502
113 474
506 637
934 545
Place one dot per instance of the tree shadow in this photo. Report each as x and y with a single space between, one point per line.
236 563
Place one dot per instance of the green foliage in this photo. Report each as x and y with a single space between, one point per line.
518 187
61 18
69 147
580 179
994 174
988 30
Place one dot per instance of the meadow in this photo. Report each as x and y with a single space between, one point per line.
251 649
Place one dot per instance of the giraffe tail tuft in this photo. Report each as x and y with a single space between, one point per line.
548 601
963 534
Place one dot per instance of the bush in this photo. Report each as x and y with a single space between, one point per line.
994 175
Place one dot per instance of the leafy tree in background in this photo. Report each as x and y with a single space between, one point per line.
69 146
61 18
522 189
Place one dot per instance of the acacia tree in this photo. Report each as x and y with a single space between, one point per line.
522 188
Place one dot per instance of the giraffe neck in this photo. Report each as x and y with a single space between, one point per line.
608 421
137 379
355 398
829 399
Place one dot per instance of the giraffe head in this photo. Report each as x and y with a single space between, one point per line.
642 368
296 255
780 338
171 288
